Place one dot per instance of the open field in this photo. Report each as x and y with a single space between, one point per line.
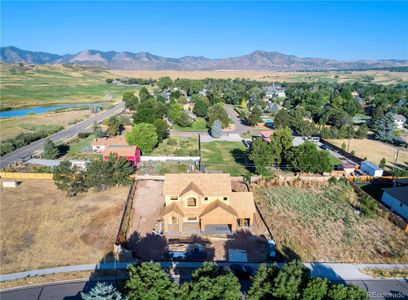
316 222
177 146
382 77
227 157
374 151
10 127
54 230
55 84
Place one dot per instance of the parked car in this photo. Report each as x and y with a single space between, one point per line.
325 147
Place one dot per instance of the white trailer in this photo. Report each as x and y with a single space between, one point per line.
371 169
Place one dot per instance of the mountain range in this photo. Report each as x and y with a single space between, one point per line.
257 60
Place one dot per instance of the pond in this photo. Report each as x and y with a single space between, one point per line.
21 112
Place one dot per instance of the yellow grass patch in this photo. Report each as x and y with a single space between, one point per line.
41 227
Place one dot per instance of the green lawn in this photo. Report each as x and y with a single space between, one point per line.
198 125
43 85
334 161
77 148
228 157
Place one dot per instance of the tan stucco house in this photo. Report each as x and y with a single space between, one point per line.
205 203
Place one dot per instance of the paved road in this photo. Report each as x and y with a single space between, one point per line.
63 134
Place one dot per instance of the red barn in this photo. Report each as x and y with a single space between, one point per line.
131 153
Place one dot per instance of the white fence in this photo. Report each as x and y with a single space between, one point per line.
170 158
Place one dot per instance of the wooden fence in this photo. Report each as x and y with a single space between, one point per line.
125 222
11 175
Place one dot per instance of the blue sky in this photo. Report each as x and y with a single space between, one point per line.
340 30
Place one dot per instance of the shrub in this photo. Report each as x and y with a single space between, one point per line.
83 135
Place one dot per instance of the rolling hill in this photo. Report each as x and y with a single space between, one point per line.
257 60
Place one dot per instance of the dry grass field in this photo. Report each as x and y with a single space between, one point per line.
10 127
382 77
316 222
374 151
41 227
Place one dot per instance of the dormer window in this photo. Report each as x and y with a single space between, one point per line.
174 198
225 198
205 198
191 202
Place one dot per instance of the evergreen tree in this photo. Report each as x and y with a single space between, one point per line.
149 281
316 289
216 129
384 128
69 179
51 151
102 291
382 163
362 132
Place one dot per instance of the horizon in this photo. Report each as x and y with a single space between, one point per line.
344 31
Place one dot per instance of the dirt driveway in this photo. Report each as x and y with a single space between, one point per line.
147 204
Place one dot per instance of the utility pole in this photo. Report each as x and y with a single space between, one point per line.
393 168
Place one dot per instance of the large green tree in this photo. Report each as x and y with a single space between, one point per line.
384 128
307 158
162 129
131 100
164 82
218 112
51 151
144 136
201 107
146 112
69 179
148 280
211 282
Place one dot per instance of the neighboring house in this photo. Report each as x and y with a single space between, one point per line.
273 107
131 153
203 92
397 199
205 203
371 169
266 136
399 121
188 106
99 145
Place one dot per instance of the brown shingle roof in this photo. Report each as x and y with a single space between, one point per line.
116 140
120 150
208 184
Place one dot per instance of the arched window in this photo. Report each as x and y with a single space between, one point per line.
191 201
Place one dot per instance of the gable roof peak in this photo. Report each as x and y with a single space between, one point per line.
192 187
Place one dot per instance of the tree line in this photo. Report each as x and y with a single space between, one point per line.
149 281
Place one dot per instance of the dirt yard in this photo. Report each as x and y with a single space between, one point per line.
374 151
316 222
41 227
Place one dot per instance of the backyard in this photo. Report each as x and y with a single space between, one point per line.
228 157
316 221
56 230
198 125
177 146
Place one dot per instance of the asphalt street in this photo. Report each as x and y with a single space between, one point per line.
28 150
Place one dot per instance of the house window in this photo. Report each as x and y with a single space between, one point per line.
191 202
205 198
174 220
192 218
225 198
174 198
